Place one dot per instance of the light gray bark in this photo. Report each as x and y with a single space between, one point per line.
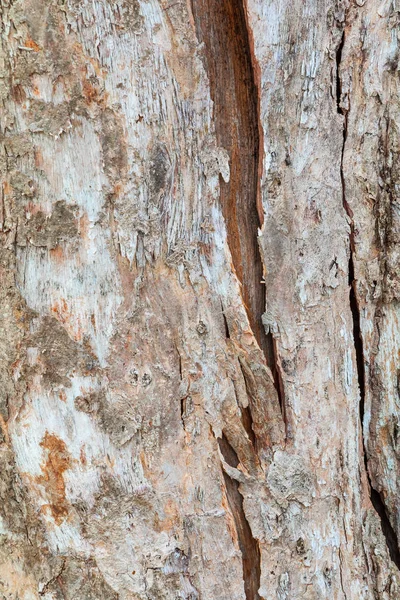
199 315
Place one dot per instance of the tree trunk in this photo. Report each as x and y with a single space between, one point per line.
200 335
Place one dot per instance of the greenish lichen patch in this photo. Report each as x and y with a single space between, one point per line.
114 414
129 15
14 318
24 542
79 578
59 354
12 148
54 119
47 231
113 144
160 166
289 479
22 184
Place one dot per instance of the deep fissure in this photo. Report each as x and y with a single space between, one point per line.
375 497
232 69
248 545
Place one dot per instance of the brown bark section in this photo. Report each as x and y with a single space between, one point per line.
234 85
221 25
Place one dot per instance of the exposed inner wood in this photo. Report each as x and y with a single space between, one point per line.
221 25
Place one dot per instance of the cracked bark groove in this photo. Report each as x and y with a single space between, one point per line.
234 84
222 26
376 499
248 545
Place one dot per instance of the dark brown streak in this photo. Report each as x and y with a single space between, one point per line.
248 545
222 26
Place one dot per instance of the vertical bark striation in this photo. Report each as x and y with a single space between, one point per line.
375 497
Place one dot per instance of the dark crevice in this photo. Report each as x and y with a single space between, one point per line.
227 334
230 456
235 90
179 362
278 380
387 529
183 411
338 80
233 74
180 367
47 585
248 424
248 545
376 499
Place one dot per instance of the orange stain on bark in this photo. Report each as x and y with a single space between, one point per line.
171 520
90 92
29 43
82 455
32 208
38 158
57 254
63 396
7 189
229 519
57 462
84 226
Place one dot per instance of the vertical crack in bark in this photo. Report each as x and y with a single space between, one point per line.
227 334
247 421
248 545
276 369
234 82
221 25
375 497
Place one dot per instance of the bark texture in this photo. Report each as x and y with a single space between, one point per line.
199 312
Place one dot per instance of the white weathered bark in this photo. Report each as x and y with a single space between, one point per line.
199 345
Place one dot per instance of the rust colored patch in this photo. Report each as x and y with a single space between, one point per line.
118 189
29 43
39 163
18 93
57 462
61 310
82 455
171 519
7 189
63 314
84 225
4 429
229 519
90 92
146 470
63 396
32 209
57 254
81 55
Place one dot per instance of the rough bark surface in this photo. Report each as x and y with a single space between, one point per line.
199 315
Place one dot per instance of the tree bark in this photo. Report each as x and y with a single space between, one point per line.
199 351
